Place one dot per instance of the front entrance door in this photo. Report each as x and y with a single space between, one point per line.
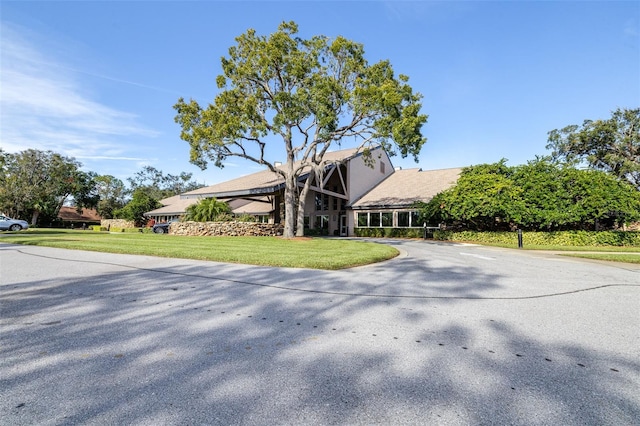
343 225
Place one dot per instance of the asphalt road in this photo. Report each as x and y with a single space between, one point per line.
443 334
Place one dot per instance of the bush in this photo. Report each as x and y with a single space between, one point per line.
245 218
390 232
558 238
308 232
116 229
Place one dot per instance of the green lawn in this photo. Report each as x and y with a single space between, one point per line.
316 253
608 253
611 257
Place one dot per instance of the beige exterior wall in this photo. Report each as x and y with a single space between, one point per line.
361 178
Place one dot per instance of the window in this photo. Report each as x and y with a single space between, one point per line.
374 220
382 166
363 220
415 219
322 222
318 201
325 202
387 219
403 219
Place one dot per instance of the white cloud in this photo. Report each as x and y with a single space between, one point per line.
43 105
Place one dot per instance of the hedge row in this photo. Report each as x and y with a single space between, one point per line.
559 238
390 232
98 228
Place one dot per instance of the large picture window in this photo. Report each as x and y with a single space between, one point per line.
363 220
374 220
415 219
405 219
409 219
387 219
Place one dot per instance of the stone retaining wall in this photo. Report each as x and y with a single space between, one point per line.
117 223
230 229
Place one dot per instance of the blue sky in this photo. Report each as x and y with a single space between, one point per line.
97 80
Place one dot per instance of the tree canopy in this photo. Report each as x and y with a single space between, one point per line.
539 195
140 203
35 183
111 192
611 145
307 94
159 185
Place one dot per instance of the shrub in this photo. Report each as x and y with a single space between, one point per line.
245 218
308 232
390 232
558 238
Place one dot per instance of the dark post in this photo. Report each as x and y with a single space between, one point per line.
520 238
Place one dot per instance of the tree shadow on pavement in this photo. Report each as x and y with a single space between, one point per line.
213 344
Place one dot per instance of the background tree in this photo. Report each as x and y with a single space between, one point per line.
611 145
141 202
38 183
481 194
208 210
539 195
309 94
111 192
159 186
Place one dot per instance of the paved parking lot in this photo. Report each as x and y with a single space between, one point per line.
443 334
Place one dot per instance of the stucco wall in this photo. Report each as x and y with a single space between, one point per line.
361 178
232 229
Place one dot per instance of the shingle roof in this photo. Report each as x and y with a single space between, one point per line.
404 187
250 207
262 182
173 206
71 214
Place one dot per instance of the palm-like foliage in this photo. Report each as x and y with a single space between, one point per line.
207 210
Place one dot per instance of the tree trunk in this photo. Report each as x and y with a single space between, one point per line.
289 206
302 201
34 217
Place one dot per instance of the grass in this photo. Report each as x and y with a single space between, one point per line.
604 249
316 253
611 257
607 253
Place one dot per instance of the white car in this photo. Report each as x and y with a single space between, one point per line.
8 224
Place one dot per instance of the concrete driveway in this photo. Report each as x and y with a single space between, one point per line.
443 334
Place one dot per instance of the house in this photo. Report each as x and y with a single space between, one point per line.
70 217
391 203
338 199
172 208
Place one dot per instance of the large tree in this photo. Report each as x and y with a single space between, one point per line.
611 145
482 194
542 194
140 203
36 182
305 96
159 185
112 193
